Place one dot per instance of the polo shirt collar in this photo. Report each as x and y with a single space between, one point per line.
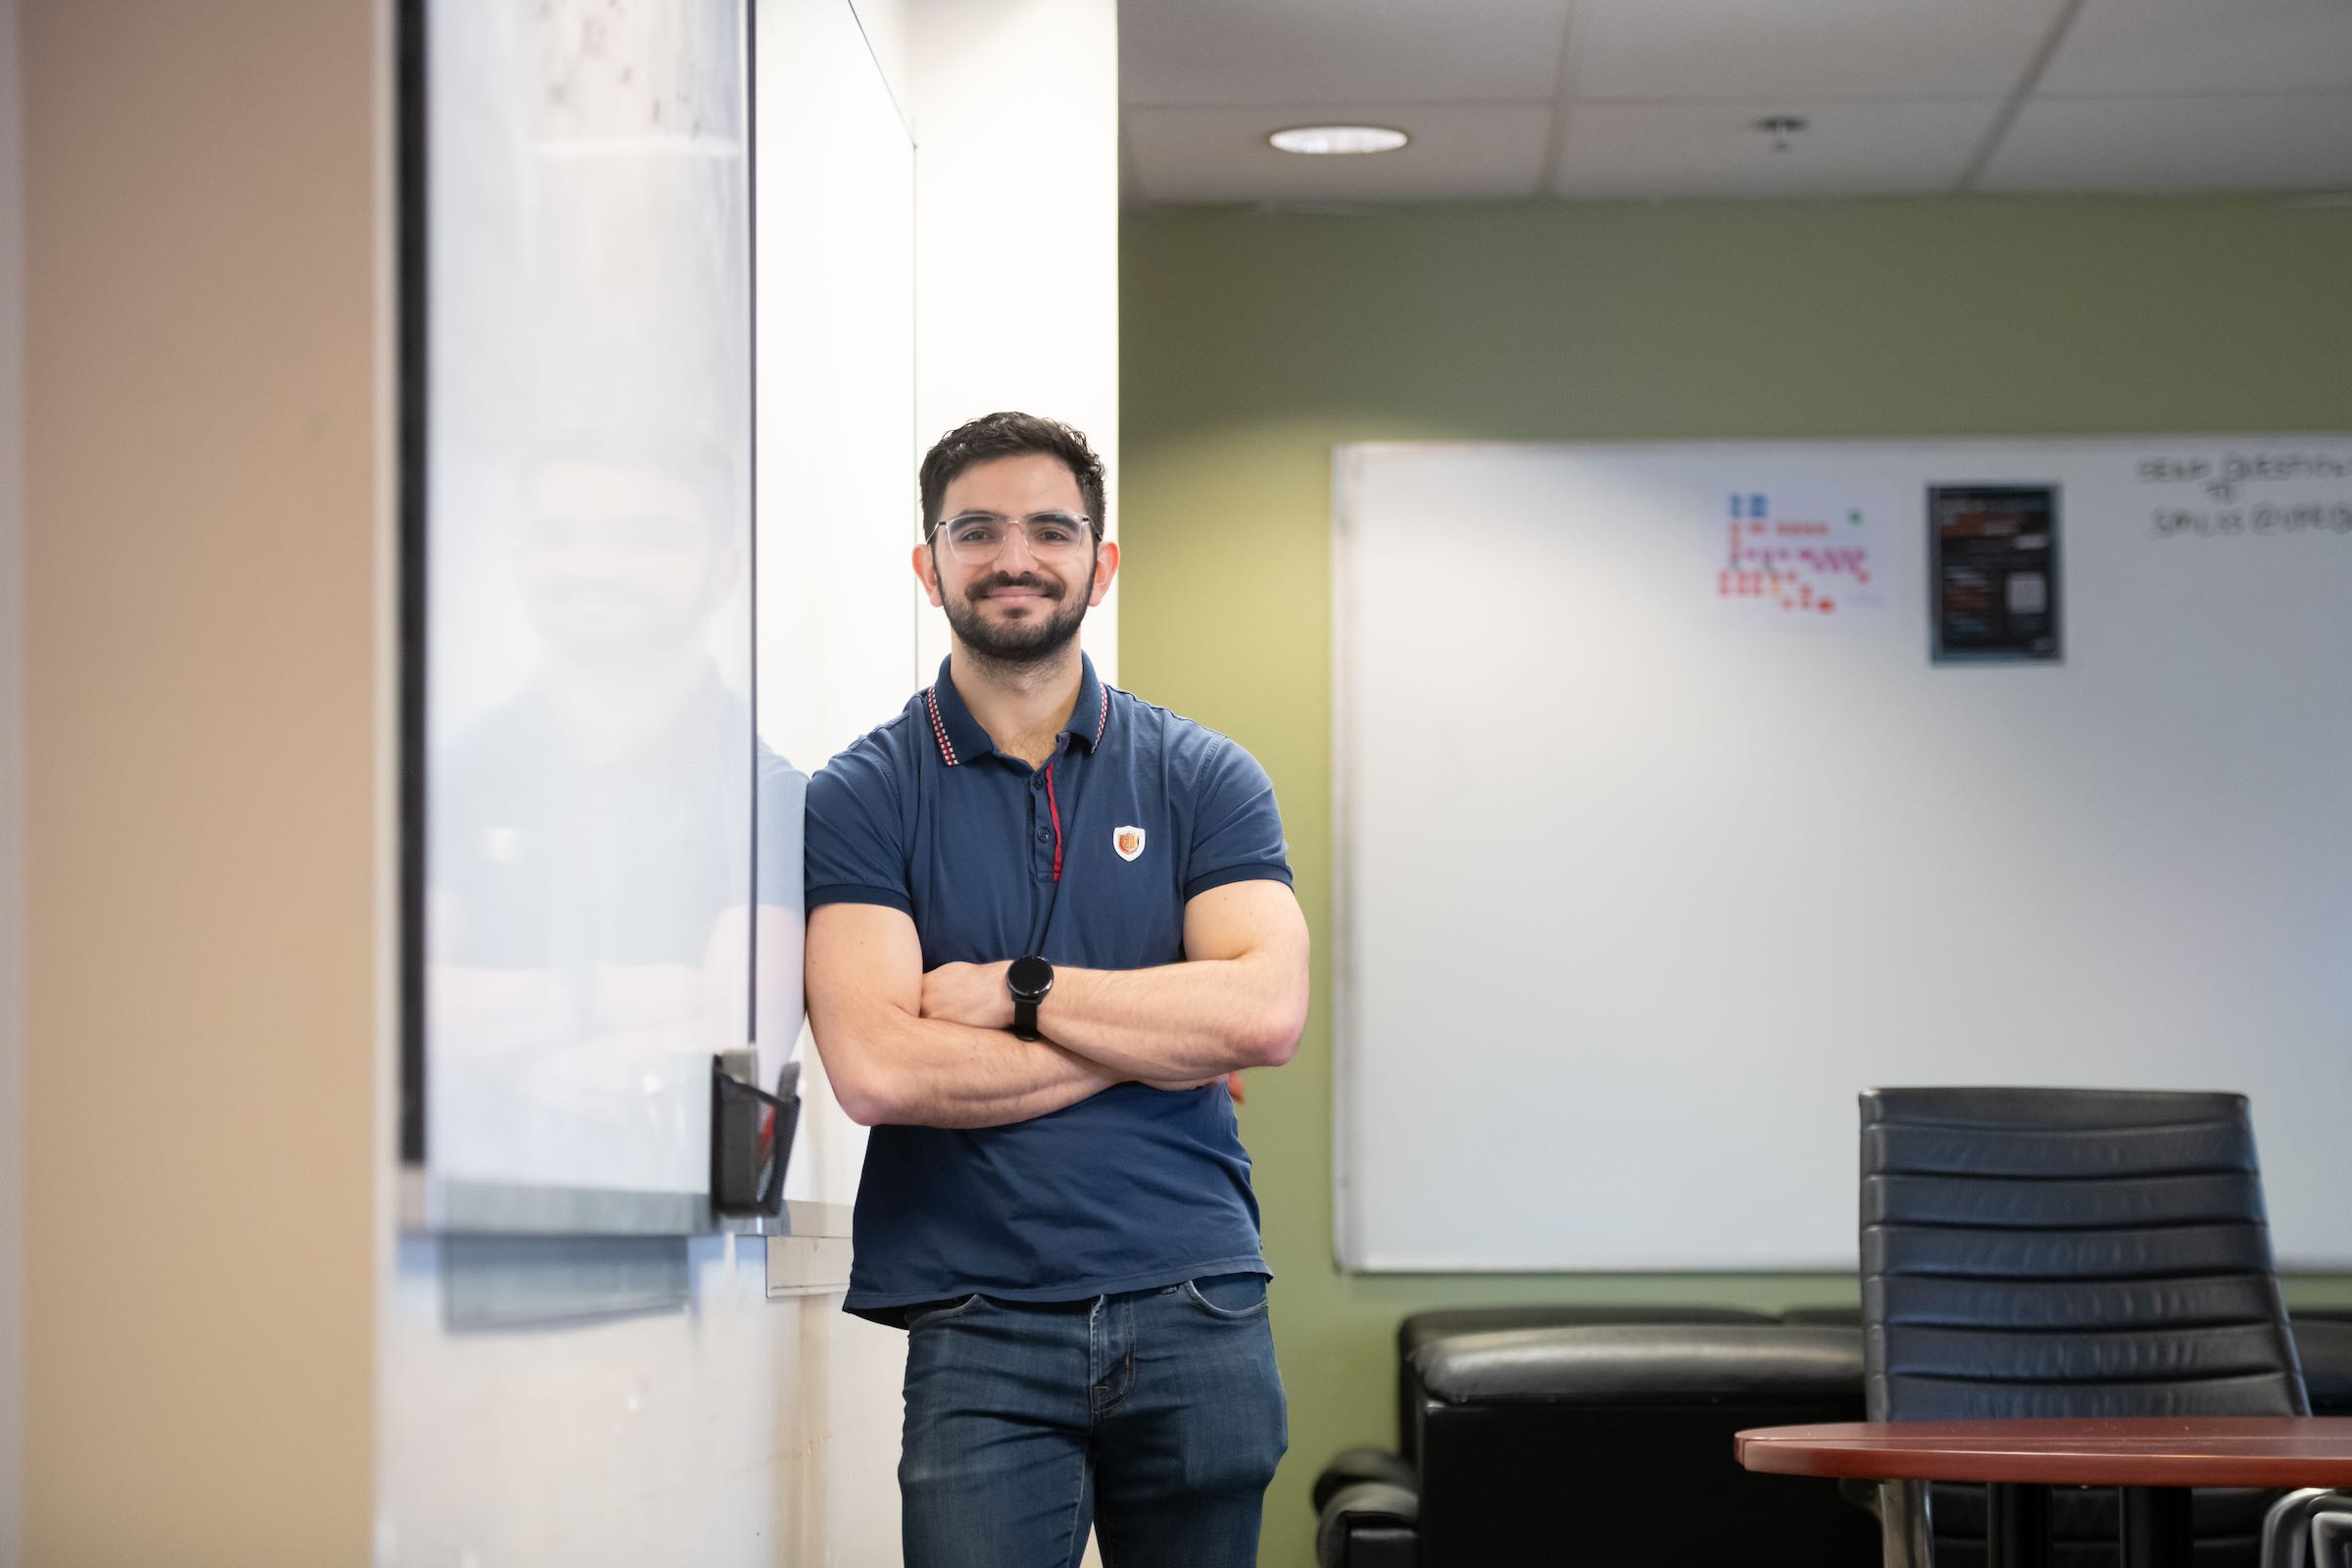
961 738
1092 714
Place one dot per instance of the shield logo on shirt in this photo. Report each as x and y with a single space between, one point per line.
1128 841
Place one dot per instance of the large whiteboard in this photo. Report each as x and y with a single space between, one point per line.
1642 875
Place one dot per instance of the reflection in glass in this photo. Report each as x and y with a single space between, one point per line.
592 759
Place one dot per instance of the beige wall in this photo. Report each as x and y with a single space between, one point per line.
11 822
200 713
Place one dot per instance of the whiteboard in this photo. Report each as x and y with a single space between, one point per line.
1647 862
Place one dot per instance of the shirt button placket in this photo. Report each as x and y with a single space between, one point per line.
1041 831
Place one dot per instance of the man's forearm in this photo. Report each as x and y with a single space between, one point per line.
1179 1021
927 1072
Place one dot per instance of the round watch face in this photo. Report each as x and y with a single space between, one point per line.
1030 979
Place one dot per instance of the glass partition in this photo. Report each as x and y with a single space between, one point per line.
586 795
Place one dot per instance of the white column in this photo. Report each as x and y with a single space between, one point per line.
1016 229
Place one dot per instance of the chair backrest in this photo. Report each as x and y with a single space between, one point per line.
2067 1252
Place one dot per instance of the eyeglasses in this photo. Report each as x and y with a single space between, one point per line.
976 538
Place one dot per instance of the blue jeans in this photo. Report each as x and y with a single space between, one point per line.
1156 1417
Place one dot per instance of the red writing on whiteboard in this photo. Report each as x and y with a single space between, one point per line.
1796 576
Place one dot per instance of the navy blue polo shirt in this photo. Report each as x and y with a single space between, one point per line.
1089 861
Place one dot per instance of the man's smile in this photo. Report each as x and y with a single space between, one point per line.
1015 595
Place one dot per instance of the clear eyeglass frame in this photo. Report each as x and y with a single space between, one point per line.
976 538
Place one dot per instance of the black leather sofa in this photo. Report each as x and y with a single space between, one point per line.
1603 1436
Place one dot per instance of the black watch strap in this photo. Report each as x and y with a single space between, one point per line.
1028 979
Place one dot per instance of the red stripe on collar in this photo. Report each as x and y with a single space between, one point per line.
1103 719
939 728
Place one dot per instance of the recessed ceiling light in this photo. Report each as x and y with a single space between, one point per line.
1329 139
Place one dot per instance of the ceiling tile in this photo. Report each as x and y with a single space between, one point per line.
1713 49
1220 155
1206 53
1847 149
2300 142
2204 46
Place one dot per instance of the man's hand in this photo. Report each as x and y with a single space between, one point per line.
974 994
891 1060
1238 999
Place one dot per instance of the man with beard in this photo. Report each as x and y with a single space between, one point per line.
1046 920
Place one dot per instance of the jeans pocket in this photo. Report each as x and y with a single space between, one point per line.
1232 1297
942 1315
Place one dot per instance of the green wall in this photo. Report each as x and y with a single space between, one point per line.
1251 343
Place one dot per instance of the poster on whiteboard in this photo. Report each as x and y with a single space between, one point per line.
1993 572
1795 555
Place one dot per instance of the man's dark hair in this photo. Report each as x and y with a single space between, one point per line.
1010 435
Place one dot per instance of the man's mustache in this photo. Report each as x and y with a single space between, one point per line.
1027 580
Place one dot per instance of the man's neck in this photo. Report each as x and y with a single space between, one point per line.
1022 706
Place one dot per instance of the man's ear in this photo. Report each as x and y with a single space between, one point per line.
1106 567
926 573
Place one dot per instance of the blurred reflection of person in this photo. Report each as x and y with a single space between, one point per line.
1048 920
590 867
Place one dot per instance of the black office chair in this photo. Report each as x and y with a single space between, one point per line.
2309 1529
2070 1252
2332 1539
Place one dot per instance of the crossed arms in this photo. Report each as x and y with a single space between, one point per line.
934 1049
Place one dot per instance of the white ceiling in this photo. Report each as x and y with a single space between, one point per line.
1636 98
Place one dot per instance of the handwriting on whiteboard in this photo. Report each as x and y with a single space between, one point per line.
2218 493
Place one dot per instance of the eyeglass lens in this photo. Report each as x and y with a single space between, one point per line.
980 536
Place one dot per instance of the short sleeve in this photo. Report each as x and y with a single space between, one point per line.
851 852
1237 830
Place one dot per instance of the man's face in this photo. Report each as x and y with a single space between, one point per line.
1015 609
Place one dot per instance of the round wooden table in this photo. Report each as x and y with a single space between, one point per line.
2152 1459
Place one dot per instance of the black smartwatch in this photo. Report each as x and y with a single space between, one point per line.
1028 979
